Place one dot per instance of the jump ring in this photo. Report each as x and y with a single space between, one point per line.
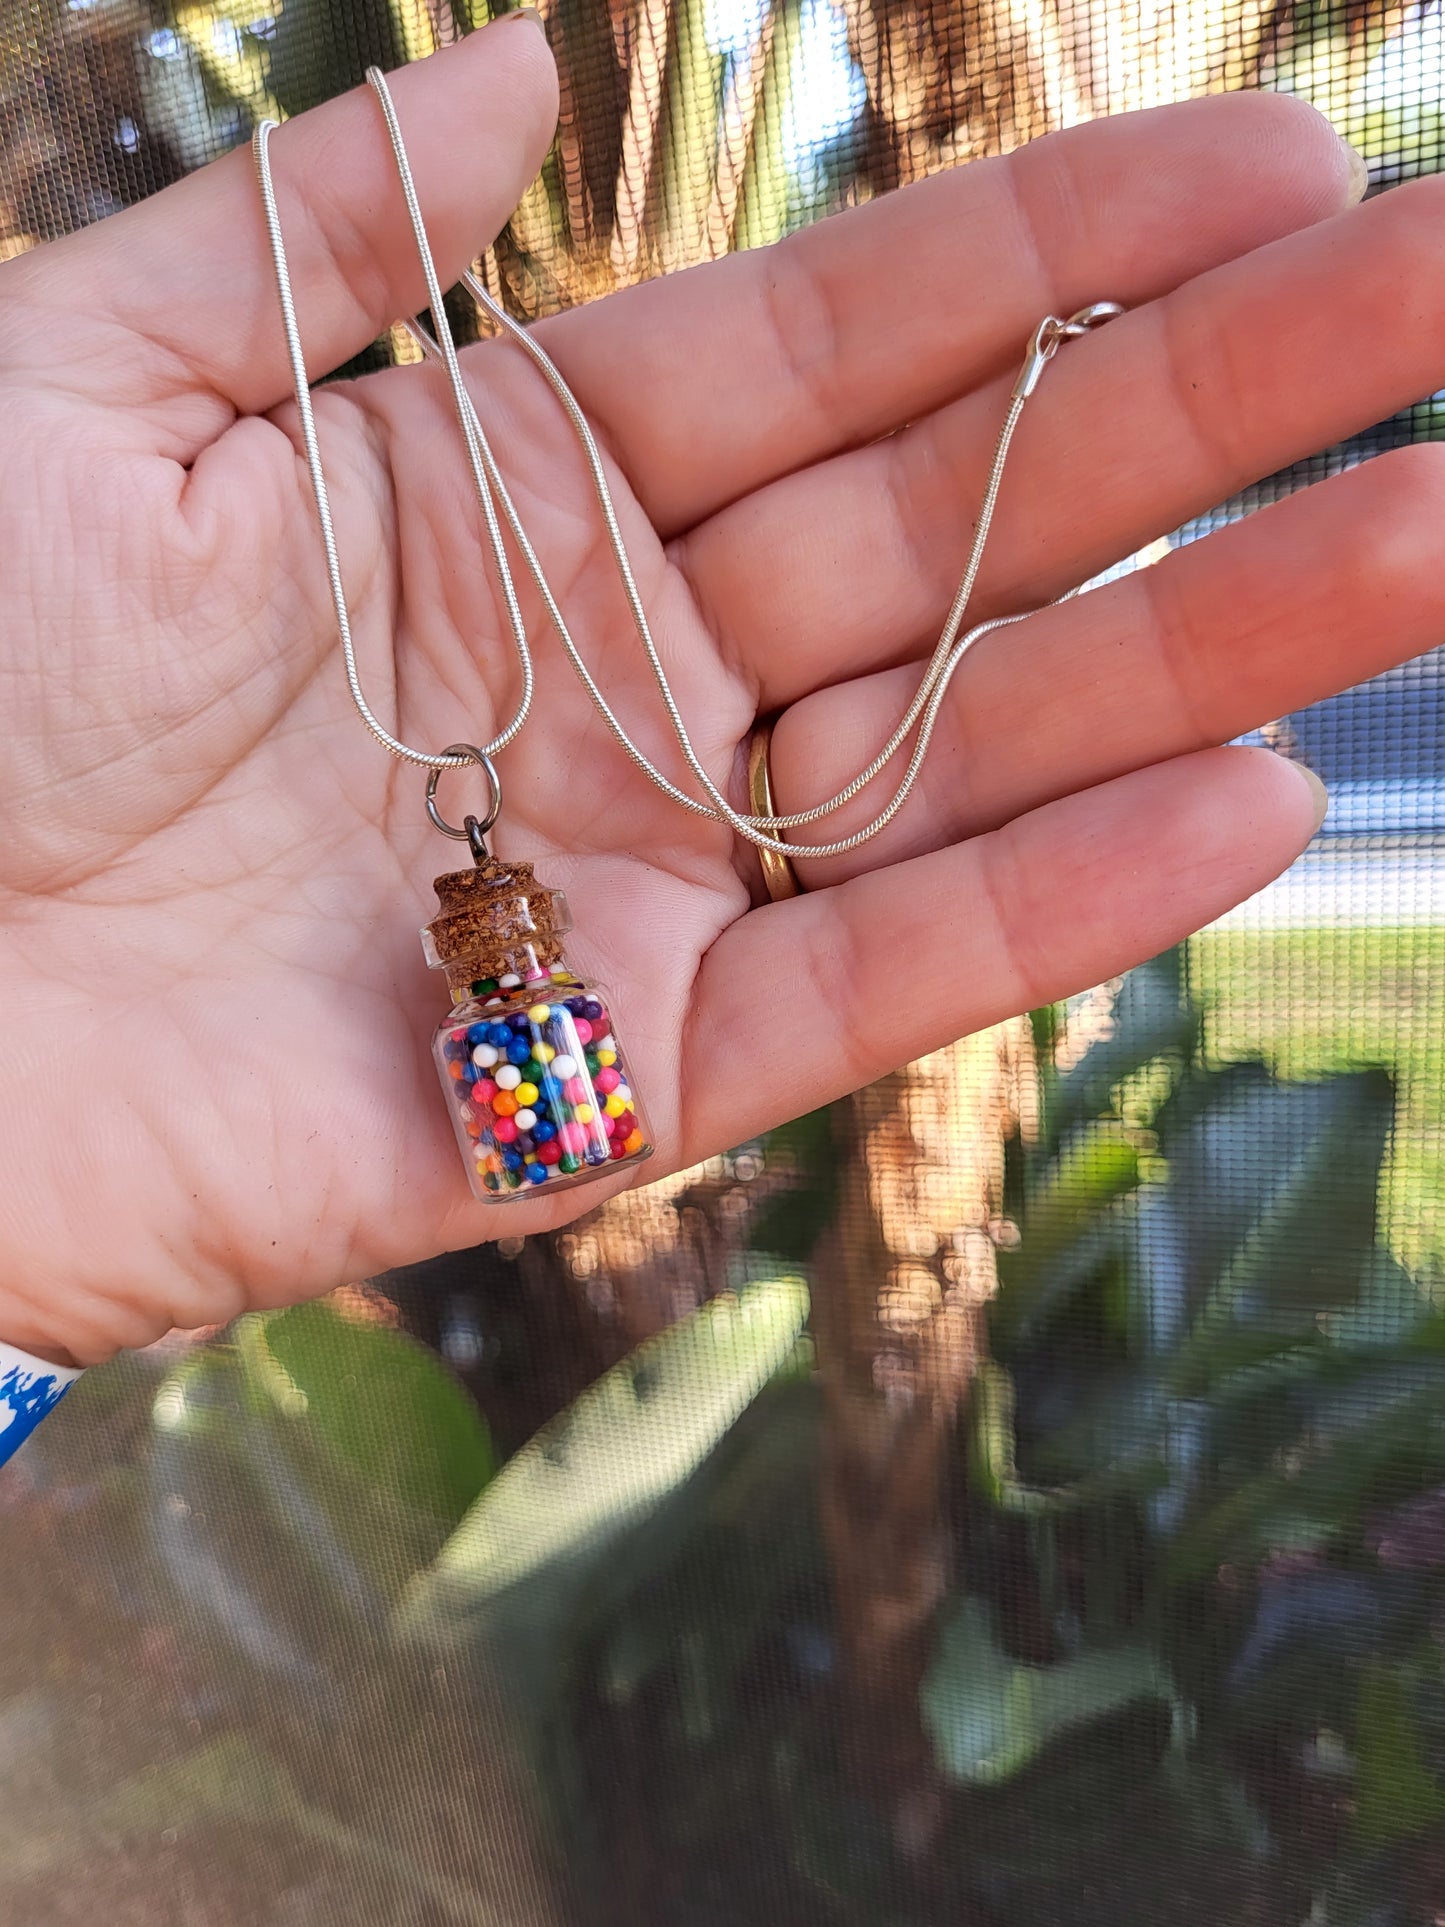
476 826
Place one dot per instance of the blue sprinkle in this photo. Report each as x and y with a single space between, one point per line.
542 1131
537 1173
512 1159
519 1050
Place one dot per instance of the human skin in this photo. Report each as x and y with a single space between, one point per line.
215 1091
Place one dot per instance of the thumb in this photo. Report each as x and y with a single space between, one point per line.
185 280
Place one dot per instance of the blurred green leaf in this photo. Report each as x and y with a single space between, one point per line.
790 1222
552 1517
1396 1795
252 1534
989 1716
754 1541
1377 1435
323 47
1390 1307
384 1404
1267 1216
1070 1225
1152 1016
313 1458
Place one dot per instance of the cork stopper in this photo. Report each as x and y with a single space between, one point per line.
494 919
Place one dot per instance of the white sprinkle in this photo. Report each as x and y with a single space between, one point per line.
563 1067
525 1120
510 981
484 1056
508 1077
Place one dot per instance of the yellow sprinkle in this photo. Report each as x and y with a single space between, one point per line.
605 1058
584 1114
614 1106
530 1158
544 1053
539 1013
526 1094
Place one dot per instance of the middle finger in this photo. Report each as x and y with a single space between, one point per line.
849 566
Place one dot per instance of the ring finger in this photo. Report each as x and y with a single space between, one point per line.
1322 590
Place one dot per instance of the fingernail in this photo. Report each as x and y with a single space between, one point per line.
1359 176
531 13
1319 794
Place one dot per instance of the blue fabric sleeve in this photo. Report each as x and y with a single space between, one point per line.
30 1389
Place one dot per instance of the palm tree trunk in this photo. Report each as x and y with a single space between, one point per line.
901 1285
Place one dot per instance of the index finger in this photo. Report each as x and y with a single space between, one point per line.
710 383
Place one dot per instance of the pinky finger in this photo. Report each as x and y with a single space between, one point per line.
833 990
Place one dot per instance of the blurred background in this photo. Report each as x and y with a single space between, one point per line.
1013 1497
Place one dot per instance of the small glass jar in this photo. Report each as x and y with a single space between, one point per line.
536 1081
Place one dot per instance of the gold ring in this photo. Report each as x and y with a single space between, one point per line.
779 877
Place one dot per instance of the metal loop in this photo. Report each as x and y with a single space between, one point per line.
1087 318
475 828
477 838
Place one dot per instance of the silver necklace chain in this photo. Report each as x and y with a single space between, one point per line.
491 490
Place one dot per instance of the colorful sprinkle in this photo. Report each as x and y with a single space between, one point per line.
538 1090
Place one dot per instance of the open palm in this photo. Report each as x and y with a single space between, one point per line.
215 1086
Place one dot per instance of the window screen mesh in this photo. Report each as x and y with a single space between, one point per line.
1078 1556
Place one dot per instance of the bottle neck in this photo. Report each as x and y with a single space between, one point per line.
482 975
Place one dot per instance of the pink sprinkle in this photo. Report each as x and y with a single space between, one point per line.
573 1138
504 1130
583 1030
484 1090
575 1090
607 1080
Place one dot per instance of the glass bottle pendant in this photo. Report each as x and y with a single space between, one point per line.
535 1078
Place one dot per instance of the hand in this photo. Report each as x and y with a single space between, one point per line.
215 1082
